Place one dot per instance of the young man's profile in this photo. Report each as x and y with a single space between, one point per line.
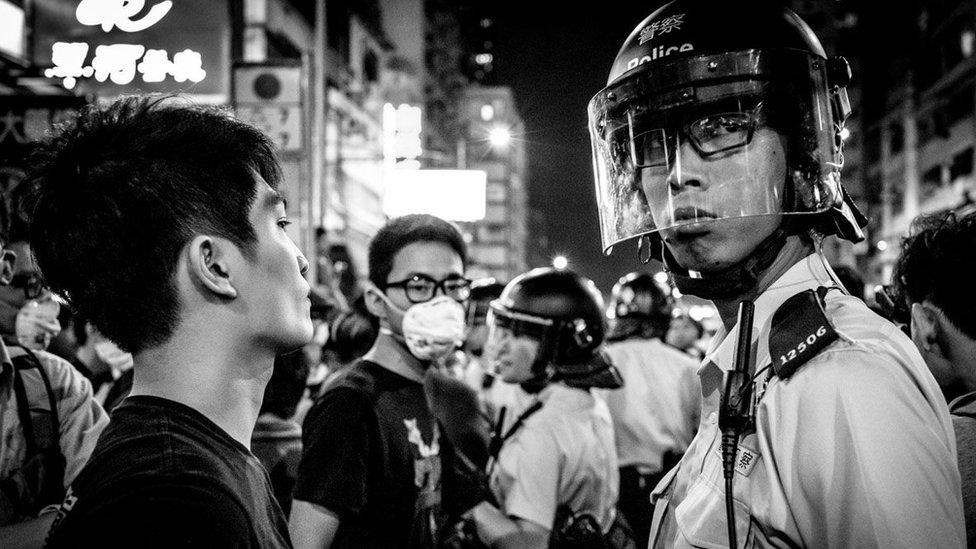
161 222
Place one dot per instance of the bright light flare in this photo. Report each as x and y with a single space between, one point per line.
560 262
499 137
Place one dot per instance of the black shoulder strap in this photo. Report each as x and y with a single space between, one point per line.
799 330
498 439
29 361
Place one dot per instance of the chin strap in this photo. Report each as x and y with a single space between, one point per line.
733 280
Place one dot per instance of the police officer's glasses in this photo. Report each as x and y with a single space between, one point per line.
420 288
710 135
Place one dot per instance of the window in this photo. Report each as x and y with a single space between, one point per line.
962 164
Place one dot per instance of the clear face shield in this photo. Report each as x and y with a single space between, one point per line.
708 138
503 324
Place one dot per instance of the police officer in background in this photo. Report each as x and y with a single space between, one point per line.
552 475
655 413
717 144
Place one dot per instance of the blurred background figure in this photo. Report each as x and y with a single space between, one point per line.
655 414
28 311
934 279
685 333
277 437
102 362
351 333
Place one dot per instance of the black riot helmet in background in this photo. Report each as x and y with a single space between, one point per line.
640 306
703 76
564 312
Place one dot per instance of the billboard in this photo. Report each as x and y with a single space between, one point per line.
115 47
455 195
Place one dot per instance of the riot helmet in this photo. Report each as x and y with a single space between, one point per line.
640 306
563 311
711 79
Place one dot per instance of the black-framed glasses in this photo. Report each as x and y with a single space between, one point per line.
420 288
712 134
32 284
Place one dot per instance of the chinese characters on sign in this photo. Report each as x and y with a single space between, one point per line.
121 62
20 127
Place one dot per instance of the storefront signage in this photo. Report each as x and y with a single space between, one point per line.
121 62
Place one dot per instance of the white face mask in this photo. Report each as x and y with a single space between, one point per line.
434 329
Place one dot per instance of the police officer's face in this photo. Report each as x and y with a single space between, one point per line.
743 177
512 355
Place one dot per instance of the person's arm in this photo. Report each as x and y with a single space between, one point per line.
868 454
331 480
29 534
311 526
82 419
498 531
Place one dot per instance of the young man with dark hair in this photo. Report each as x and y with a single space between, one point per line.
933 276
373 455
161 223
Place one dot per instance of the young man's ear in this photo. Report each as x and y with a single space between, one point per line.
209 265
926 326
375 303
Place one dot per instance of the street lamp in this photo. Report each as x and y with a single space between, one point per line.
560 262
499 137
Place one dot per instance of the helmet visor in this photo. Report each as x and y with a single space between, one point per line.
706 138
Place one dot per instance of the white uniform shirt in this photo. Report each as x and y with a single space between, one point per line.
856 449
562 454
657 409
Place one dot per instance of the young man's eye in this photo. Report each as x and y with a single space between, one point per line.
284 223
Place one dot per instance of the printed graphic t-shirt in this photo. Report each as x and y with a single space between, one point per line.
163 475
372 456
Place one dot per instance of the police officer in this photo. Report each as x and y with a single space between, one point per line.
717 144
655 413
553 472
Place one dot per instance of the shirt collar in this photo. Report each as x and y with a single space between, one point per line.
807 274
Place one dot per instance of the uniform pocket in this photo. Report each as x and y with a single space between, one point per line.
701 517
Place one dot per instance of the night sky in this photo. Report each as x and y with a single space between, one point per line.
555 62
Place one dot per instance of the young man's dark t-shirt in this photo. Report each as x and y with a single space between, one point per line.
372 455
163 475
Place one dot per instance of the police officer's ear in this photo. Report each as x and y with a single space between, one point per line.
926 325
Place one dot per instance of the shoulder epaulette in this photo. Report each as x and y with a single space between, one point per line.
800 329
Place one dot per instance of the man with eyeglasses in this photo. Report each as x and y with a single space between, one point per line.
49 421
718 148
374 454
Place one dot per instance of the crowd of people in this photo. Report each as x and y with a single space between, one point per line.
170 379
